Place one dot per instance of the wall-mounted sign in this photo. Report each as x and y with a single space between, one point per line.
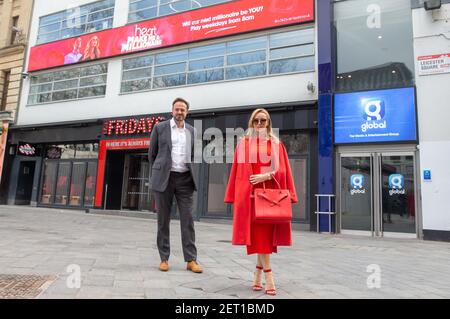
211 22
54 152
433 64
26 149
427 175
125 144
132 126
396 185
375 116
357 184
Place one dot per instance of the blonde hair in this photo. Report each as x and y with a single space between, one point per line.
90 48
251 131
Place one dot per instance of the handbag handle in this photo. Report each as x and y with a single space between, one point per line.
273 177
264 183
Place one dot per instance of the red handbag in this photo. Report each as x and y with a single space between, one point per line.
272 205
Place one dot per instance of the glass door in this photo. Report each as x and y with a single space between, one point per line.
356 200
377 194
398 193
136 183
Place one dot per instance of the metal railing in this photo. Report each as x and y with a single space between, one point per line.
328 211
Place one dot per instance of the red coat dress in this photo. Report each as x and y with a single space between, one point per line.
239 190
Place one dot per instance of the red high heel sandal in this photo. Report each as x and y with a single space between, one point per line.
272 291
257 285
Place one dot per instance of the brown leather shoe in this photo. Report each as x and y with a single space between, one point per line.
194 267
164 265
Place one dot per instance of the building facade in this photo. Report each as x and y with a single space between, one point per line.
375 119
381 132
102 73
432 65
15 16
348 83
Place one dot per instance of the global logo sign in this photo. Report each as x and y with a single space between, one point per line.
357 184
375 116
396 184
373 113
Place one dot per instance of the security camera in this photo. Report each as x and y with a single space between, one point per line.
432 5
25 75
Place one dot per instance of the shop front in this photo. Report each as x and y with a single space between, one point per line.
53 166
377 163
296 124
68 175
123 166
376 136
104 165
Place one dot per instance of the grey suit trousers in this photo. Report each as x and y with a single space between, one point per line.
181 185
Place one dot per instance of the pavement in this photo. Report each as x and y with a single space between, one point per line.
65 254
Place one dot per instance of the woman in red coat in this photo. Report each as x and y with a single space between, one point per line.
259 157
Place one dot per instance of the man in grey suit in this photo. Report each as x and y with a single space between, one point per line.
170 155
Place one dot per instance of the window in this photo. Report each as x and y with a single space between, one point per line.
298 148
14 31
68 182
71 151
292 51
76 21
89 150
5 87
62 183
374 44
78 180
89 190
48 184
295 143
148 9
218 173
71 84
170 69
278 53
245 57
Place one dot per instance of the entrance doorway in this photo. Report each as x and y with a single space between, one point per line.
377 193
114 178
135 195
127 182
25 183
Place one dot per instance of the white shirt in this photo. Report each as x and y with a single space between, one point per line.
178 147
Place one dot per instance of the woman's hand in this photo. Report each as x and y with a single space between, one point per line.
259 178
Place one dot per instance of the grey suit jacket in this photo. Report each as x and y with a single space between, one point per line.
160 155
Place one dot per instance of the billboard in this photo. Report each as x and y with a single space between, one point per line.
206 23
375 116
